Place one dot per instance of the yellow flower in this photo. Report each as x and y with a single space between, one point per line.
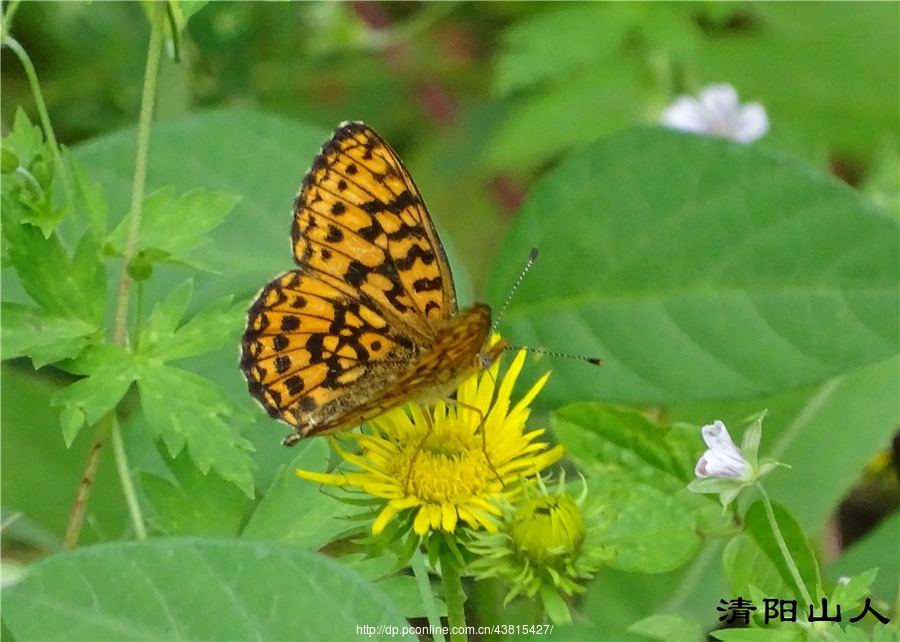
543 548
452 462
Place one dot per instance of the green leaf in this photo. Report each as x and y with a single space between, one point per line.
25 140
166 315
184 409
666 627
636 478
276 517
597 435
97 394
44 337
88 196
66 286
213 327
177 228
194 589
197 504
698 269
760 529
745 564
531 51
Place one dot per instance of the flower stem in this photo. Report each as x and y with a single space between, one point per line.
453 597
782 545
424 584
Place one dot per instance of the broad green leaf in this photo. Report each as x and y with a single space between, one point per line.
196 504
40 335
177 227
297 511
194 589
184 409
760 529
596 436
636 475
698 269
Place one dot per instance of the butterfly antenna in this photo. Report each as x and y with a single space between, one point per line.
531 259
565 355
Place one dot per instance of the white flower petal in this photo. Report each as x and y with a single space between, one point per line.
752 123
723 458
717 112
720 100
685 115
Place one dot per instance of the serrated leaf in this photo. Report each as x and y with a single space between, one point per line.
24 139
166 315
760 529
184 409
177 226
40 335
88 196
94 396
196 504
209 329
65 286
194 589
698 269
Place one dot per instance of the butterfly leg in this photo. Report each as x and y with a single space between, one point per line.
487 457
427 415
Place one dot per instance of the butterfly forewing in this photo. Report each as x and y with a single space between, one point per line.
360 219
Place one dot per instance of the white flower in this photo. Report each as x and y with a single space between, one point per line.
717 112
723 458
724 468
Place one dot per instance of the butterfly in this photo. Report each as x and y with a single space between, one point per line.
368 321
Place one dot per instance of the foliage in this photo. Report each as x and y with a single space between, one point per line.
714 279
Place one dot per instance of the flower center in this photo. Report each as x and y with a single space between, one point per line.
448 467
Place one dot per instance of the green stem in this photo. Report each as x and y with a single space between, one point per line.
423 582
454 597
109 425
139 183
41 106
782 545
134 507
8 16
